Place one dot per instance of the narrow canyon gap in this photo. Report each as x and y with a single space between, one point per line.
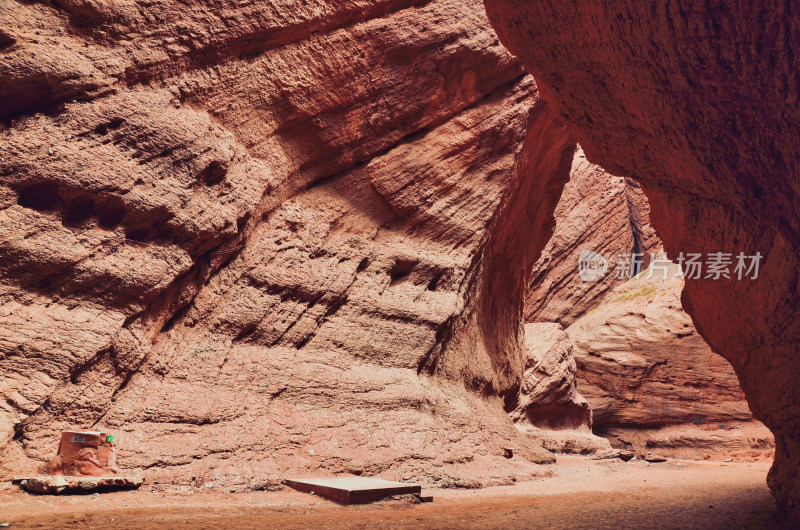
700 102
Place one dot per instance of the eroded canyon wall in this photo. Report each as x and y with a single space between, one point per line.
699 103
624 345
598 212
256 239
642 362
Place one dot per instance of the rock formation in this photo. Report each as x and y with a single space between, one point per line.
648 375
548 394
642 363
698 103
642 366
550 409
598 212
255 239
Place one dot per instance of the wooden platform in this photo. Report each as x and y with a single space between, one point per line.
353 490
60 483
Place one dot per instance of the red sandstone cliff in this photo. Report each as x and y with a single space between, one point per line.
699 103
597 212
261 238
254 239
648 375
641 365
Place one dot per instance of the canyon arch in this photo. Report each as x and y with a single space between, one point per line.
699 103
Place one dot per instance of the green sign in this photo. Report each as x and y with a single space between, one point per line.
110 439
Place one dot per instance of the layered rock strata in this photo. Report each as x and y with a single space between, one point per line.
550 409
260 239
600 213
653 382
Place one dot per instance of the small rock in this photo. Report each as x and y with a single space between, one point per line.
626 456
729 459
654 458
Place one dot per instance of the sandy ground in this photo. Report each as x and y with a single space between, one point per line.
583 493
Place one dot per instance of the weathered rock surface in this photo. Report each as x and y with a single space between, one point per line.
648 375
599 212
739 440
699 103
253 239
548 396
642 366
60 483
550 409
641 362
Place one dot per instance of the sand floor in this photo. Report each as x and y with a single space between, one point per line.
584 493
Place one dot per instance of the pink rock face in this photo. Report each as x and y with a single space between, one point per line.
699 105
598 212
549 408
256 240
641 362
549 395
